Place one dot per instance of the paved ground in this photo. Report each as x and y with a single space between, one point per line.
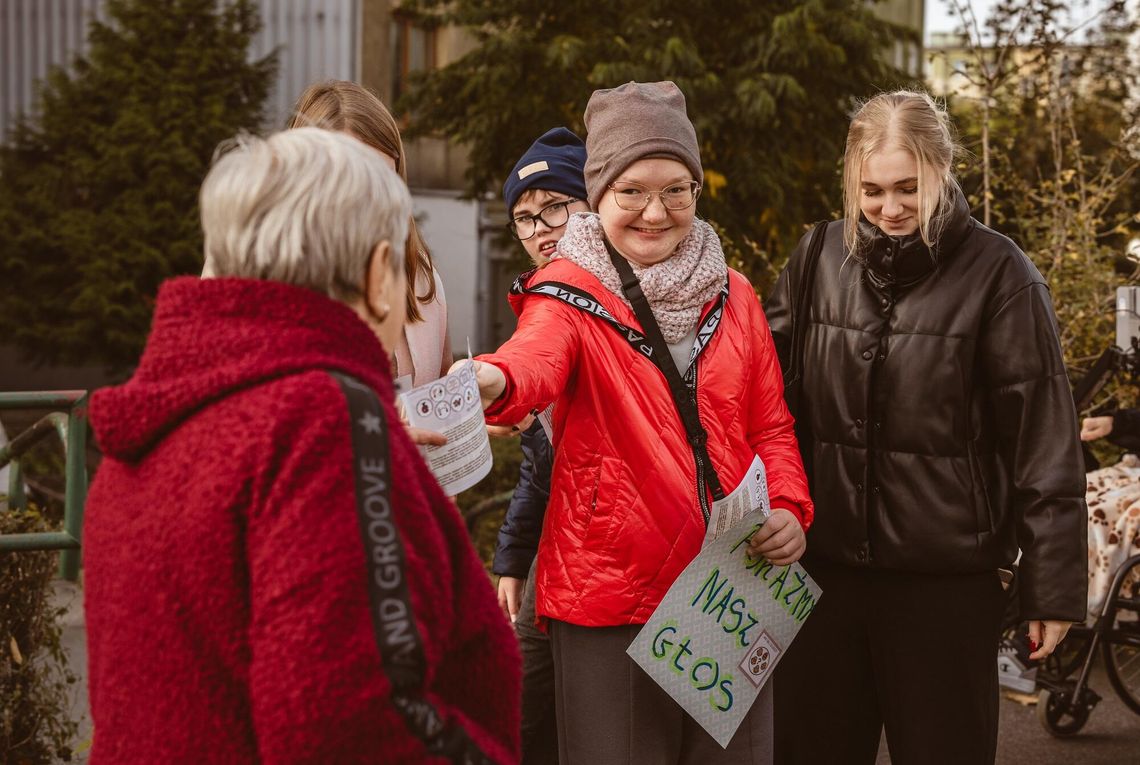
1111 737
74 640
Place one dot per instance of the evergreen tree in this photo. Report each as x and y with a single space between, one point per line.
98 190
769 87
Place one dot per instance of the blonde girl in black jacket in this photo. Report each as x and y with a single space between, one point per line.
943 440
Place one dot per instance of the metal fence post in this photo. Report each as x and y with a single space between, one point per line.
72 431
75 492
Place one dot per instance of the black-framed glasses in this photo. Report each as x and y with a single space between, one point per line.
553 215
635 197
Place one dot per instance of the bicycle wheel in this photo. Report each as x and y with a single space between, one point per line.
1122 663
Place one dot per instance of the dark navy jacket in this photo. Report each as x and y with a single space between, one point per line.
522 527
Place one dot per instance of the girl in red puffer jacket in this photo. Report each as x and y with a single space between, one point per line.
629 495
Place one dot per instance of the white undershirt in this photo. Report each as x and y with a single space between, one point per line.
681 349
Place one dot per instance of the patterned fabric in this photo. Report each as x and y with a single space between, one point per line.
677 288
1113 495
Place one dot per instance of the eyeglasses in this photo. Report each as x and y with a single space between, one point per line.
635 197
554 215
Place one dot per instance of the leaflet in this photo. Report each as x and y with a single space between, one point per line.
751 494
451 406
544 419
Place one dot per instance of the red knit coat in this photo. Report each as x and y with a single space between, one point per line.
227 608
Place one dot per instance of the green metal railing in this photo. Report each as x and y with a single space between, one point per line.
72 430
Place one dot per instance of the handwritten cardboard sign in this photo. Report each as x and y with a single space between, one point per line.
723 627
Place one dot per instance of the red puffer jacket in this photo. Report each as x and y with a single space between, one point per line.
624 517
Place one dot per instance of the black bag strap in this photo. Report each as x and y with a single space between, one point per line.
684 395
393 621
802 303
583 301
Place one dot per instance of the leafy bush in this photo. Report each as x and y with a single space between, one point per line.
35 727
99 200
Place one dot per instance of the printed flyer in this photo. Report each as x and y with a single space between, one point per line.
450 405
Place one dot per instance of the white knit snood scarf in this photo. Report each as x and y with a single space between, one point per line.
677 288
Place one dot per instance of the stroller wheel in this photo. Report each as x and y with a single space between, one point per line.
1058 715
1122 663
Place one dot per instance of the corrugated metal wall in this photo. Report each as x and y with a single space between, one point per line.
318 39
36 35
320 42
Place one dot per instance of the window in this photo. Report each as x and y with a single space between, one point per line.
413 50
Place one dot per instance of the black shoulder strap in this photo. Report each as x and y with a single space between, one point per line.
802 302
583 301
393 621
684 396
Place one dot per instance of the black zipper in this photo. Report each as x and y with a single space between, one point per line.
702 486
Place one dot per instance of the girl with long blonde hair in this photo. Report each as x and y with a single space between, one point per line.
943 439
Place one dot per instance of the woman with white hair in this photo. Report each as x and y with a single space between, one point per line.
232 587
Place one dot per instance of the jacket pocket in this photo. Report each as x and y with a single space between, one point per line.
983 508
603 506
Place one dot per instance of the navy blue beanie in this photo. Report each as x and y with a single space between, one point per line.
554 162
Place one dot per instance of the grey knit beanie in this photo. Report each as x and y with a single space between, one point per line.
632 122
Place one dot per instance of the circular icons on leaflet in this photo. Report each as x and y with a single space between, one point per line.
458 392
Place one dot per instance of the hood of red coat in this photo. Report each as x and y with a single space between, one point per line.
212 337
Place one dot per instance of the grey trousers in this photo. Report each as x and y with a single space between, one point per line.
539 730
610 712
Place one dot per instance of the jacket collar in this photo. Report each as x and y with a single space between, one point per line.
902 261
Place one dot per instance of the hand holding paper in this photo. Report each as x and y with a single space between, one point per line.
421 437
447 415
490 378
780 540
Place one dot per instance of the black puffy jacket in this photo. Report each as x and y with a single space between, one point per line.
943 426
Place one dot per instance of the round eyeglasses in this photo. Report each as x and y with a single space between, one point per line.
635 197
553 215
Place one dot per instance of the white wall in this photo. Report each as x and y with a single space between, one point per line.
450 226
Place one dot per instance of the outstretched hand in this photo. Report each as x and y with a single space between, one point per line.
490 379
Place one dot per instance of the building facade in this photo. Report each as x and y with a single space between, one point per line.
371 42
